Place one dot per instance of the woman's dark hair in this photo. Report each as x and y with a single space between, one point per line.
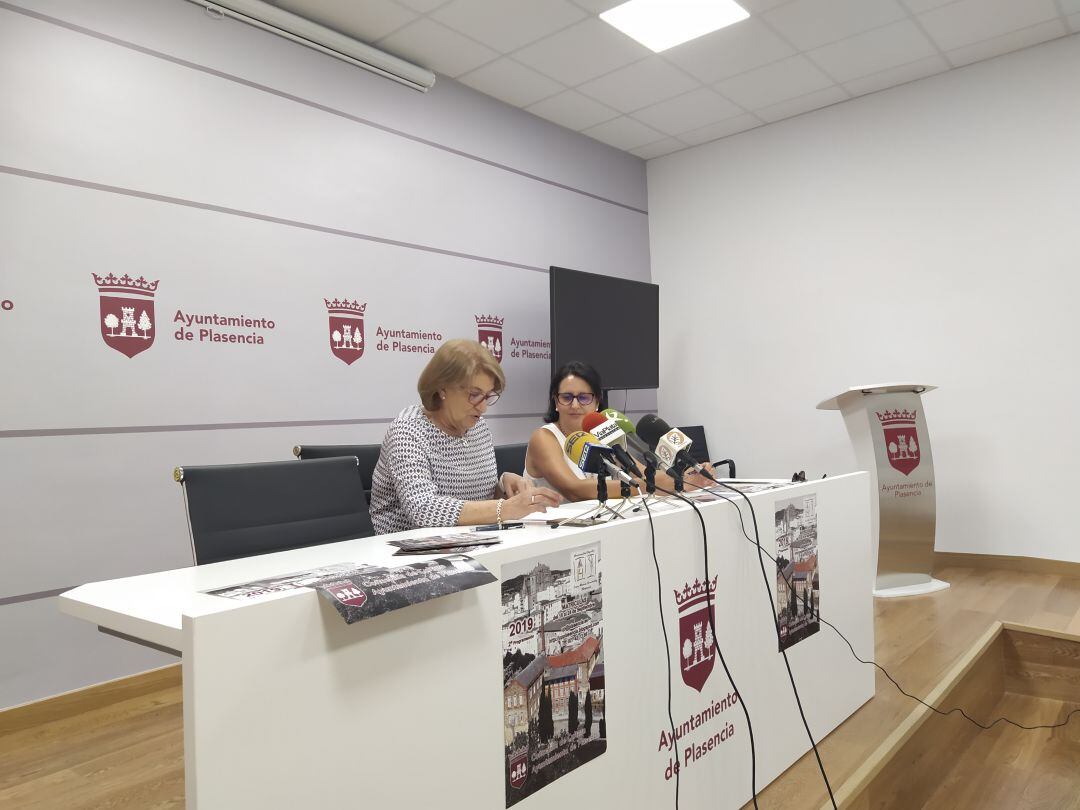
575 368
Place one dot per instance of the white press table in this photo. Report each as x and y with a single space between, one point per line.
286 706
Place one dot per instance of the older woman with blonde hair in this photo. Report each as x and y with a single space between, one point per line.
437 463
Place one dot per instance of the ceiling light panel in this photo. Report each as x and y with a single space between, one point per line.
662 24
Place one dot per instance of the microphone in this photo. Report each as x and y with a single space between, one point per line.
610 434
593 457
670 444
627 427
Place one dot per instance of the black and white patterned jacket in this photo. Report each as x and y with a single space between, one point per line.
424 475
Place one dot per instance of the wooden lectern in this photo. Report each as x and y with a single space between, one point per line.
888 431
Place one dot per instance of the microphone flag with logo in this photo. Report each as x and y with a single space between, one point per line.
591 456
610 434
578 446
629 431
670 444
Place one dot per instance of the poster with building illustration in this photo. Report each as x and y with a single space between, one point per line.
553 668
797 594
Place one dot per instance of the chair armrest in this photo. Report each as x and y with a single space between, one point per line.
730 465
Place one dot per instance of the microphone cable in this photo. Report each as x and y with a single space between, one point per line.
716 642
816 611
776 627
667 645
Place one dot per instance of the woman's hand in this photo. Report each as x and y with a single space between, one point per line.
532 499
699 480
513 484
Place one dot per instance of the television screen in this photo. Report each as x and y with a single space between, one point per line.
610 323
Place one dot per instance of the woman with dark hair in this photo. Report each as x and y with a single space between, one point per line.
575 391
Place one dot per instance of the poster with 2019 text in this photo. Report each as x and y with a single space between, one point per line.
553 668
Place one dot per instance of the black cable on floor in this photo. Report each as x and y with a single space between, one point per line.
885 672
667 645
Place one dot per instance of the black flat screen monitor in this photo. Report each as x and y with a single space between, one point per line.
610 323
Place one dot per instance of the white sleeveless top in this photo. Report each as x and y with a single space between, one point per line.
542 482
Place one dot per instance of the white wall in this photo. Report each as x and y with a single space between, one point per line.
926 233
248 175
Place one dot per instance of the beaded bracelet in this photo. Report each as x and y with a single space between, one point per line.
498 512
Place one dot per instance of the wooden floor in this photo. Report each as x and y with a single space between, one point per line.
1032 768
118 745
918 640
121 745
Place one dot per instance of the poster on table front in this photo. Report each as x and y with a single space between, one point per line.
797 588
372 590
553 668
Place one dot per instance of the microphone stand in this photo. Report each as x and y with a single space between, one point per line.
677 471
650 476
625 495
650 481
601 492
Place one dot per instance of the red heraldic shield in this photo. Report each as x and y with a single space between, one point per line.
696 651
519 769
901 440
346 329
126 312
489 333
346 592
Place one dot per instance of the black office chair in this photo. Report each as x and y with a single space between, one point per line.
700 449
510 458
240 510
367 455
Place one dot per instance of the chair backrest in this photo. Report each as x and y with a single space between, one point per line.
510 458
700 448
240 510
366 454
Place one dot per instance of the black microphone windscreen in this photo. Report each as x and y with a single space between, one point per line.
650 428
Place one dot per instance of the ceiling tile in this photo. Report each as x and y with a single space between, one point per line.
774 83
573 110
898 75
435 46
1070 6
508 81
760 6
1008 43
739 123
886 47
639 85
692 110
423 6
598 6
624 133
1074 22
802 104
736 49
506 25
811 23
969 21
581 52
653 150
919 6
367 21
